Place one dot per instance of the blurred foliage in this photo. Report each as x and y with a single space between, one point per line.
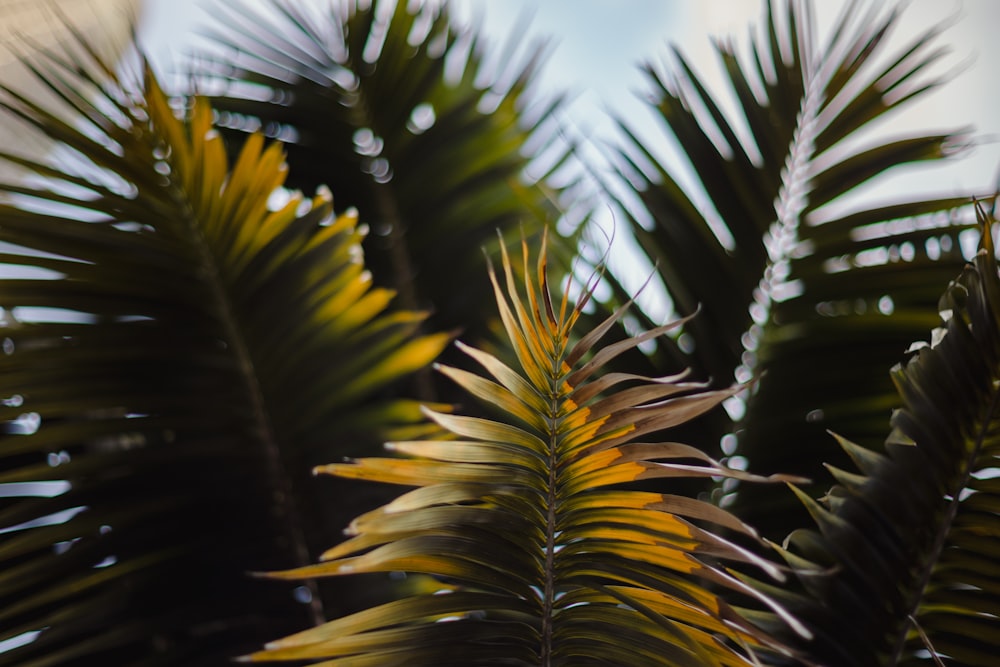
176 357
802 287
400 115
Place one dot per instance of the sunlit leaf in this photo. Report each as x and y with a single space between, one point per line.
399 111
177 369
548 554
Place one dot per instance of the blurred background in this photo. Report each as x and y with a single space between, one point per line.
596 50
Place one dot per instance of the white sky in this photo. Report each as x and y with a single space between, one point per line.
599 44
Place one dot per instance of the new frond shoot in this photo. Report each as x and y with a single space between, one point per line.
543 550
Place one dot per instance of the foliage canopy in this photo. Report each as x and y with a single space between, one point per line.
185 340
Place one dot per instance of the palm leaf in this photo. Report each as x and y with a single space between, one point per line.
544 558
400 115
177 356
915 530
790 272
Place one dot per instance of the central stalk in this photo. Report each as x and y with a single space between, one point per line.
549 590
551 501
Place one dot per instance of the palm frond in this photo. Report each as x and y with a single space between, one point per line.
401 115
915 529
544 557
176 354
790 272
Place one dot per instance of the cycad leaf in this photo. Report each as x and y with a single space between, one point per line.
398 113
916 532
172 368
788 273
548 558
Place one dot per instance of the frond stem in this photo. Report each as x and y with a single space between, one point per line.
927 642
551 500
402 271
792 200
391 219
549 592
284 500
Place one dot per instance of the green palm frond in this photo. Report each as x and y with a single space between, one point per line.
909 545
400 114
544 557
177 355
792 273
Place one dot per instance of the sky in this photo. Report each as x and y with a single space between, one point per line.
599 45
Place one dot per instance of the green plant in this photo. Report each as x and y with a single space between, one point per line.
549 561
915 526
377 103
195 355
185 349
790 269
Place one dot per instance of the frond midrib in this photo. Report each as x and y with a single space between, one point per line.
551 519
262 428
